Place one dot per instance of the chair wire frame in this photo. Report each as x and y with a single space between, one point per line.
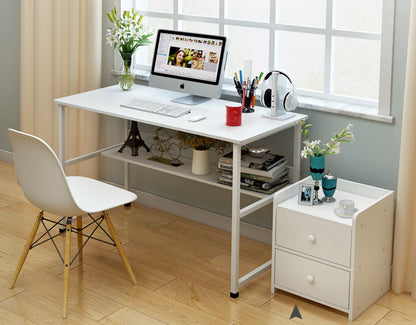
95 221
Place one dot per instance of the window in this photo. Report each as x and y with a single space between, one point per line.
338 52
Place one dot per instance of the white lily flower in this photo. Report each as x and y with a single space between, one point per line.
335 148
110 40
315 143
350 136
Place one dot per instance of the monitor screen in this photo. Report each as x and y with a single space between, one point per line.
189 62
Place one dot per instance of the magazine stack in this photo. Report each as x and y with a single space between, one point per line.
265 175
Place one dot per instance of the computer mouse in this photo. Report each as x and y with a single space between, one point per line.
196 118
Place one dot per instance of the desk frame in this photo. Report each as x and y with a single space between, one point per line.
237 213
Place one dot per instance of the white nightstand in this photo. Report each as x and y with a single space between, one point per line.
344 263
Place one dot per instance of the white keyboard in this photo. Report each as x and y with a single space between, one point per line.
157 108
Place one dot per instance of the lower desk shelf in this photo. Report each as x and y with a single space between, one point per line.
183 171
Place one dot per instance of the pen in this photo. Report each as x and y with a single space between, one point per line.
244 94
241 77
237 86
253 92
261 75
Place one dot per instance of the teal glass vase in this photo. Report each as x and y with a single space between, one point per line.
317 167
329 185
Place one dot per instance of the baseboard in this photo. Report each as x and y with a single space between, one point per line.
6 156
202 216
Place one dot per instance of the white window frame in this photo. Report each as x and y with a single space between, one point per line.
327 102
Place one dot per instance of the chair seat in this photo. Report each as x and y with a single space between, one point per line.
94 196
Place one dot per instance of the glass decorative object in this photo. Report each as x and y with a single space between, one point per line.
329 185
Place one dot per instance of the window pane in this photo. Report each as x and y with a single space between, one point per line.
257 10
242 48
356 67
198 27
155 5
199 8
144 54
312 13
358 15
302 56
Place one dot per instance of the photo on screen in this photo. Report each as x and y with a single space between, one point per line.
178 57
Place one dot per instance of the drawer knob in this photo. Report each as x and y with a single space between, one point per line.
311 238
310 278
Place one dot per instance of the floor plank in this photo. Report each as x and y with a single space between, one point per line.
127 315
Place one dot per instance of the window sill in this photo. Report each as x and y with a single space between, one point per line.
315 104
328 106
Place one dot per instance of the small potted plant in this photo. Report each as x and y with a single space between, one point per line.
317 153
200 146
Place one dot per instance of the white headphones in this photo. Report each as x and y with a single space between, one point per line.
289 98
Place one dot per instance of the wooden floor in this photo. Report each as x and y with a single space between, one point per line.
182 270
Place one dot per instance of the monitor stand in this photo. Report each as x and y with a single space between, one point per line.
191 100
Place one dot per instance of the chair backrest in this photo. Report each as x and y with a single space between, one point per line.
41 176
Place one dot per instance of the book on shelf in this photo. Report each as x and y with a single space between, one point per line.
252 187
264 163
271 173
265 181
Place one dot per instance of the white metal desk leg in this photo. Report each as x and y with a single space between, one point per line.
126 164
61 144
297 142
61 134
235 222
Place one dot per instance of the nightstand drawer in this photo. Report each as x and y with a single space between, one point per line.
312 279
313 236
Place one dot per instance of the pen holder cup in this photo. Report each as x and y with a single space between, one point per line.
247 99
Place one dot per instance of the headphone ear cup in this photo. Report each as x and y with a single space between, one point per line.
267 98
289 103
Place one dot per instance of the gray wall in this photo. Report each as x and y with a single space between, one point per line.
9 69
372 159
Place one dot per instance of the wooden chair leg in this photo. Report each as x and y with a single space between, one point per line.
79 236
67 261
29 242
119 247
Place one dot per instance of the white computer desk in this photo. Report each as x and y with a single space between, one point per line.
254 127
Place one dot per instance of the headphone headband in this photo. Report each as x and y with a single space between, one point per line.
281 72
266 93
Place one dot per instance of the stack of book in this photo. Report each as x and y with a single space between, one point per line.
265 175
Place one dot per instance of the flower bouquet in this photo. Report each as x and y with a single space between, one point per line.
198 142
126 35
314 149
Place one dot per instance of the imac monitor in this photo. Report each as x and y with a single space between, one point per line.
190 63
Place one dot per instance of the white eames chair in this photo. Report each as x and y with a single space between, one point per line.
43 181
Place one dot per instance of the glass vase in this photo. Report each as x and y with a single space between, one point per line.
317 168
126 76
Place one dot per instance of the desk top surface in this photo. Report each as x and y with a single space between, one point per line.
108 100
